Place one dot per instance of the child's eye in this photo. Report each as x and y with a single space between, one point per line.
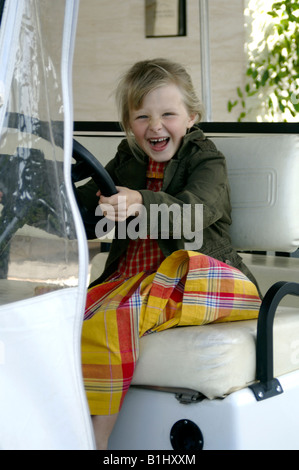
168 114
142 116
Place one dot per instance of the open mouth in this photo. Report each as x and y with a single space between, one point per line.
159 144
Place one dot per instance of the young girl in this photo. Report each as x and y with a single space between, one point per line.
153 283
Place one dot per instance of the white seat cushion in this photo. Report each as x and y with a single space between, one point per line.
215 359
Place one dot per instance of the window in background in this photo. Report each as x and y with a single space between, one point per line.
165 18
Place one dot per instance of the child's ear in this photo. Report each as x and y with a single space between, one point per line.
192 120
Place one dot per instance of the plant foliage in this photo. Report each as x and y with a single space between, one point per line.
272 76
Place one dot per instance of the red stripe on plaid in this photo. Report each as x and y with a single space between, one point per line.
155 169
96 295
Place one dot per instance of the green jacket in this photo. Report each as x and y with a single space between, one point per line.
197 174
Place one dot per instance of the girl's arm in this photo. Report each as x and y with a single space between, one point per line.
203 182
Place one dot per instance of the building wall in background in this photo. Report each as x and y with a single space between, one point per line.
111 37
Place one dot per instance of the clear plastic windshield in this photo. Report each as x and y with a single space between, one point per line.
38 246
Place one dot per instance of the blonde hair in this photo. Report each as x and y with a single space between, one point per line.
144 77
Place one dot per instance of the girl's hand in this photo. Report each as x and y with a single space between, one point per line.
127 202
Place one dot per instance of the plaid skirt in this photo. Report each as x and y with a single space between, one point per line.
189 288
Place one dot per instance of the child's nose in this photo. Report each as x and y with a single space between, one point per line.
155 123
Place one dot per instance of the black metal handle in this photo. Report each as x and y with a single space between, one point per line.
267 385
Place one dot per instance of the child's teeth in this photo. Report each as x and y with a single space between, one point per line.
158 140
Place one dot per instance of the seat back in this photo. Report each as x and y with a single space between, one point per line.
264 175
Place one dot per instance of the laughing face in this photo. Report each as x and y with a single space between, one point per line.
161 123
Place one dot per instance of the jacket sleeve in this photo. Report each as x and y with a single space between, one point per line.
201 184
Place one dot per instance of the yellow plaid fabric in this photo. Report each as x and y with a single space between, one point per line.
189 288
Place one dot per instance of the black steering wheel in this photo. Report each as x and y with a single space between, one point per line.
88 166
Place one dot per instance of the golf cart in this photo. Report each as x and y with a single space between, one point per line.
225 386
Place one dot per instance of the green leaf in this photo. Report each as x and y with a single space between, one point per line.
239 91
265 78
285 24
231 105
281 106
